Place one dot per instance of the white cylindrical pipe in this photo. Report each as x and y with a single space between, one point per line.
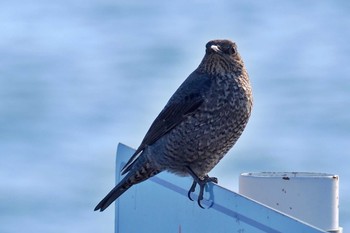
310 197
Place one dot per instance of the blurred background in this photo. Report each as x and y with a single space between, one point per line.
78 77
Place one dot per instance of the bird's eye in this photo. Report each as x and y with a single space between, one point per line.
232 50
228 49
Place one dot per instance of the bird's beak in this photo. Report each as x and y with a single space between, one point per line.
215 48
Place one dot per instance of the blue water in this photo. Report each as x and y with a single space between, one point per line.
77 77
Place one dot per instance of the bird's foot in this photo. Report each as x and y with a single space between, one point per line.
201 183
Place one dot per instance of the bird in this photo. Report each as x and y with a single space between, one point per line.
200 123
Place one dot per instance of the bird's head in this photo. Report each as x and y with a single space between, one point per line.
221 56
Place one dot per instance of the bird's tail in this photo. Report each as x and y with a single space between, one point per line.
141 171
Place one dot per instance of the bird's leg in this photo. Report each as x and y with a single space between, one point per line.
192 189
201 183
196 180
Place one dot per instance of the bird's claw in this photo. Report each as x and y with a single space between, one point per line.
201 183
192 189
213 179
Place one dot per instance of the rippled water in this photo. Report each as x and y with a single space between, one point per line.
77 77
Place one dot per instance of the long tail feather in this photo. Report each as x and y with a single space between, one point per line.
141 171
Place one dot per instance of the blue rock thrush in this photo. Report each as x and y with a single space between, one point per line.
199 124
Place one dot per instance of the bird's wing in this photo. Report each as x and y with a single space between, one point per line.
184 102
